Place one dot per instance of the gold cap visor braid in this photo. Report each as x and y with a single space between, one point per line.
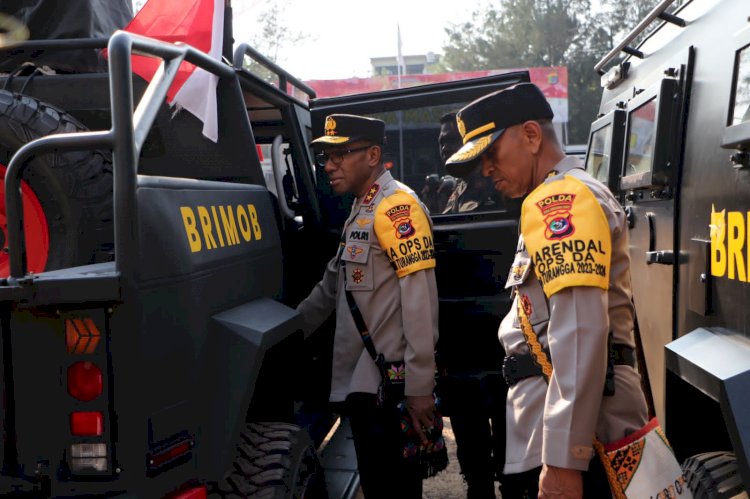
466 158
331 139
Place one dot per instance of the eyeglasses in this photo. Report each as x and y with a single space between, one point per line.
337 157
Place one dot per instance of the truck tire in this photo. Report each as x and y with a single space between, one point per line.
273 461
67 195
714 475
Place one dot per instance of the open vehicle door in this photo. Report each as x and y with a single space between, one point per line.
474 247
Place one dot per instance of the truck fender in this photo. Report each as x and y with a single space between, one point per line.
236 343
716 361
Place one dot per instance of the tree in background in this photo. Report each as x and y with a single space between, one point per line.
529 33
272 38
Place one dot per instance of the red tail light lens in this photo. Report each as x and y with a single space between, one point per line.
197 492
87 424
85 381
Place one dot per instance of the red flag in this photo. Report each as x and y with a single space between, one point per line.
199 23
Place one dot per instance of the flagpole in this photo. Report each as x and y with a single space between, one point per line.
399 57
399 66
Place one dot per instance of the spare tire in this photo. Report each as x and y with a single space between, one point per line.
67 195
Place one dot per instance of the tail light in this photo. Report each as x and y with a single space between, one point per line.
88 457
87 424
85 381
88 451
191 492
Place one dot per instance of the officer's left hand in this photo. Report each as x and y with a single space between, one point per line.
560 483
421 409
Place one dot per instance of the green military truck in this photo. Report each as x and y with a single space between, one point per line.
146 347
150 346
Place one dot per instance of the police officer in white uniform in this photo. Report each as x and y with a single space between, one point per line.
569 333
386 261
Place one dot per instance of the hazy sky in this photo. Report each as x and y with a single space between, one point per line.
345 34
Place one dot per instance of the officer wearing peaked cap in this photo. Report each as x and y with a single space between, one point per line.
385 265
569 334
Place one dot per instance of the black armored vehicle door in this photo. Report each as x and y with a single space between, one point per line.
474 242
636 147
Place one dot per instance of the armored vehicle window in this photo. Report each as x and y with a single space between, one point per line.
741 112
641 139
650 142
605 146
597 162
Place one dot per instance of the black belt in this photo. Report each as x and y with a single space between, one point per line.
518 367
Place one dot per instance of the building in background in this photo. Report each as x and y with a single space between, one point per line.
413 64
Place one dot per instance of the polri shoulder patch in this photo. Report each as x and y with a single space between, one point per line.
567 235
404 233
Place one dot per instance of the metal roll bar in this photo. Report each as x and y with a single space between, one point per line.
657 12
125 138
284 77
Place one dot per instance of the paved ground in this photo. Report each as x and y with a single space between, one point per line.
447 484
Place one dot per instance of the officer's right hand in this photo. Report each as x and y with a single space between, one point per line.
560 483
421 410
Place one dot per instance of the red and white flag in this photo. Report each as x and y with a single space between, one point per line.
199 23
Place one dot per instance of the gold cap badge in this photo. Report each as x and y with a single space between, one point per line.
330 126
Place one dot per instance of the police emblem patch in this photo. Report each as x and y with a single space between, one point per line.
559 227
358 276
400 216
557 217
404 230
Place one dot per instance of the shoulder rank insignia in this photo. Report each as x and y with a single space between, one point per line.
371 194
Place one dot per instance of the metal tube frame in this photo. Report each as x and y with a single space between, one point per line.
53 45
654 14
125 138
284 77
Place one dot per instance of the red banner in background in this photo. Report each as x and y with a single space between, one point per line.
553 81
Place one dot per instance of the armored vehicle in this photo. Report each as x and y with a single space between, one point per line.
672 140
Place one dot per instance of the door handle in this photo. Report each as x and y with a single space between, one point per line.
662 257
